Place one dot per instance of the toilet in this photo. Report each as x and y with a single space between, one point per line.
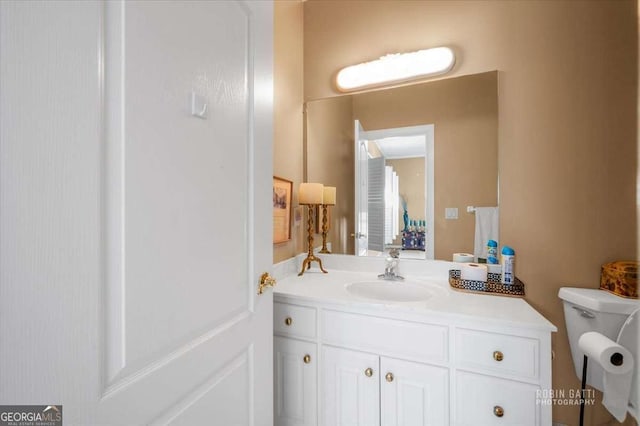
617 318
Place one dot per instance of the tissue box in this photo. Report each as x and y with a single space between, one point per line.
620 278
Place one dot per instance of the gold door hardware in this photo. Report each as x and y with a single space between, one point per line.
498 411
266 281
307 359
389 377
368 372
288 321
498 356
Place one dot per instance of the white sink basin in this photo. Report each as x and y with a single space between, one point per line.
393 291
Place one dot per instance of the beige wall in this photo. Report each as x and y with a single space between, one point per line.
464 112
567 114
288 117
410 173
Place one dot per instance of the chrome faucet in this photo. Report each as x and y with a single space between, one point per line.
391 267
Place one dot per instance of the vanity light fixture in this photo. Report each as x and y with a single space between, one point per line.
396 68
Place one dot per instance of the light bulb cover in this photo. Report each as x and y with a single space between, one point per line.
396 68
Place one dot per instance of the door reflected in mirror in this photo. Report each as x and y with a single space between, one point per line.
394 191
462 114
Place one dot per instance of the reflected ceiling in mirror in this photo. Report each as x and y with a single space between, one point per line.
464 113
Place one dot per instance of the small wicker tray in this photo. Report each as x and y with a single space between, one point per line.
492 286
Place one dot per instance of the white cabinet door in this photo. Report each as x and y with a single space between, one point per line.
413 393
295 367
350 388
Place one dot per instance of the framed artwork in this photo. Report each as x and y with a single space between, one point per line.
282 193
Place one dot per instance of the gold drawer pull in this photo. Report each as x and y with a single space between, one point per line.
288 321
368 372
498 356
498 411
307 359
389 377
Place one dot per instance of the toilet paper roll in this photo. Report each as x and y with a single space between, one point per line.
617 363
494 269
463 257
473 272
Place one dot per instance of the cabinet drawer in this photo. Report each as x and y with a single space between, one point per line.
503 354
409 340
294 320
483 400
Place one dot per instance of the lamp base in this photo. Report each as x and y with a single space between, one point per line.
306 264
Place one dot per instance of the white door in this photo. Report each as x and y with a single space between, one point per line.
133 232
361 189
413 394
350 388
296 384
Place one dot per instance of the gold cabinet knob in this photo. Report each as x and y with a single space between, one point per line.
266 280
498 411
498 356
288 321
307 359
389 377
368 372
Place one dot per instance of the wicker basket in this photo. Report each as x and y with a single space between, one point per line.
492 286
620 278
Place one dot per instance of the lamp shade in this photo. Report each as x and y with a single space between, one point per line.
329 196
310 193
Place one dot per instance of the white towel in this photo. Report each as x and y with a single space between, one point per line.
487 222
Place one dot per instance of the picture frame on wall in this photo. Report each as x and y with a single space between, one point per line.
282 196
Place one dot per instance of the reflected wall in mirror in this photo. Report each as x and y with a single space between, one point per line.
464 115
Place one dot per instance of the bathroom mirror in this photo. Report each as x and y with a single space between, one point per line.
459 167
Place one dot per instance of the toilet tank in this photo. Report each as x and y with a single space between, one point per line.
587 309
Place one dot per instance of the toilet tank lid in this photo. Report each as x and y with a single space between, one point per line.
598 300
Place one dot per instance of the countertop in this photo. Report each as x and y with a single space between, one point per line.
331 289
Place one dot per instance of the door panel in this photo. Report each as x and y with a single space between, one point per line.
413 394
296 382
157 219
350 388
182 174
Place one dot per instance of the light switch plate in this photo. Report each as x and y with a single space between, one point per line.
451 213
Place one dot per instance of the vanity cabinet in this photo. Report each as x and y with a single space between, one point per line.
350 387
359 388
413 393
376 366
